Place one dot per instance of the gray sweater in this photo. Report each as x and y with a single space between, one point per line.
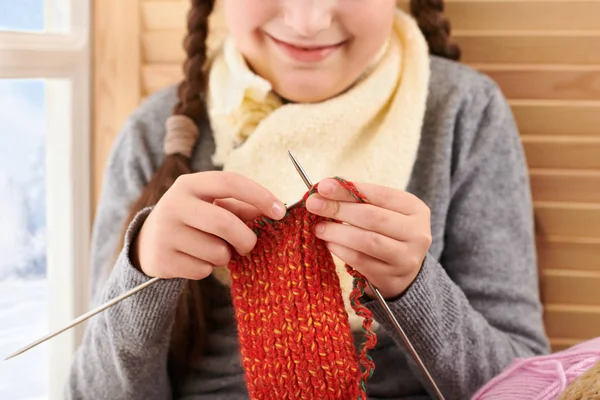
473 308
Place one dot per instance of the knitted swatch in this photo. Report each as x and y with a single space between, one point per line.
294 334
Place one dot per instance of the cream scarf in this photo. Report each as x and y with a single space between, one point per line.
370 133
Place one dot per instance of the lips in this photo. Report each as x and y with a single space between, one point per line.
306 54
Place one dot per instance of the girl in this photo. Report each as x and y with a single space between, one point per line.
350 87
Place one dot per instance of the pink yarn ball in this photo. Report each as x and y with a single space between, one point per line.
541 378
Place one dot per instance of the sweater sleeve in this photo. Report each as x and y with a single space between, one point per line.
471 312
124 351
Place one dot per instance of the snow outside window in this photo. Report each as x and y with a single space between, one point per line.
44 189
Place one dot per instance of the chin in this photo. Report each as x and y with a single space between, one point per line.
295 96
308 90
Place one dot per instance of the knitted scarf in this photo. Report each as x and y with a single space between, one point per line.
369 133
294 333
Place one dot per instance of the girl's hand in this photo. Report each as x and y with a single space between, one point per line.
191 228
386 240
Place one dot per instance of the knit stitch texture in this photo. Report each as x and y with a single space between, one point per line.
293 329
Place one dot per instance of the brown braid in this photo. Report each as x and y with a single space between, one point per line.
188 338
194 85
436 27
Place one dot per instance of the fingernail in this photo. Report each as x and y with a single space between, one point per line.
326 187
319 229
279 210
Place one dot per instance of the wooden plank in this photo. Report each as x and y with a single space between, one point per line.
157 76
570 287
116 77
163 47
576 322
165 15
518 82
563 344
166 47
562 152
477 48
482 15
556 117
565 185
521 15
517 47
568 253
567 219
545 82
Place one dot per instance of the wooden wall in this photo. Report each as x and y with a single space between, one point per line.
545 55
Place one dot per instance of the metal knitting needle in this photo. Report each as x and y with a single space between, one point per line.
95 311
86 316
381 301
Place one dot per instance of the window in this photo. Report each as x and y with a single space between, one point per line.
22 15
44 189
23 286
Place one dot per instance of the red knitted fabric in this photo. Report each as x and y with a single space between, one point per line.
293 328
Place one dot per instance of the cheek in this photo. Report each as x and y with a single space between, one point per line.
372 29
243 18
368 34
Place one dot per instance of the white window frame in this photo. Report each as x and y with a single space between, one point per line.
62 55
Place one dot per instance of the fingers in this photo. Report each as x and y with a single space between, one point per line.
372 269
380 196
189 267
201 245
212 185
371 244
381 275
367 216
243 211
217 221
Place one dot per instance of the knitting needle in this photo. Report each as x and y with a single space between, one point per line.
97 310
381 300
86 316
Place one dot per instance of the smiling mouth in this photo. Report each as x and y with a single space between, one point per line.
306 53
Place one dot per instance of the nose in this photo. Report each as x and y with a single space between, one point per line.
308 17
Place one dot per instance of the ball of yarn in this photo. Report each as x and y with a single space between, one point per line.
543 377
585 386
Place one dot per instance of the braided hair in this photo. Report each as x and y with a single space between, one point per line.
188 338
435 27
